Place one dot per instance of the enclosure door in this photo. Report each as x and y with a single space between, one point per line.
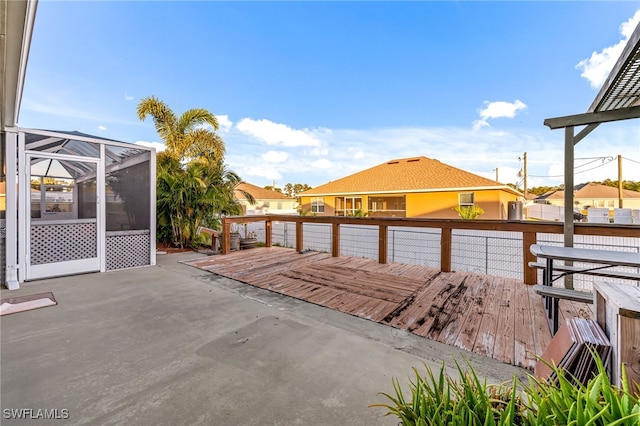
63 229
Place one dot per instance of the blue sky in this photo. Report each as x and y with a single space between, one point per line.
308 92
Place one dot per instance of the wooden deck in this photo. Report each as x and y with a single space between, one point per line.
498 317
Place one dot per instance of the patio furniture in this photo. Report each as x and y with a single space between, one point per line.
604 259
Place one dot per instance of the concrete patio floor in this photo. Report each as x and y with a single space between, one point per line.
172 345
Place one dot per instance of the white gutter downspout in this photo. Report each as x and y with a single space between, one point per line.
11 235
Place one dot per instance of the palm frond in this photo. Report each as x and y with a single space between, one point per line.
164 119
191 119
202 143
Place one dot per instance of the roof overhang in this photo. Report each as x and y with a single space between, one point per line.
619 97
507 188
16 27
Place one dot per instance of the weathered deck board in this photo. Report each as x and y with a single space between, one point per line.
505 333
497 317
485 338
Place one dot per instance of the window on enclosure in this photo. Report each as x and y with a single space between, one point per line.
128 197
317 205
387 206
465 199
347 206
51 197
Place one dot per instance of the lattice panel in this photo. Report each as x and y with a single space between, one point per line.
63 242
127 251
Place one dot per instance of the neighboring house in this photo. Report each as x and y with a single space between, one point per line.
266 201
410 187
593 195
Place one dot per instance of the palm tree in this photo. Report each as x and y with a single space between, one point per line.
184 136
191 196
194 187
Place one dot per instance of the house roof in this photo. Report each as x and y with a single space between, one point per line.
416 174
16 27
591 191
259 193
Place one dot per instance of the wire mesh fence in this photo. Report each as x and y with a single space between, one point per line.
414 246
487 252
498 253
359 241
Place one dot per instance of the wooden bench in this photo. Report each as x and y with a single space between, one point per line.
564 293
599 271
214 236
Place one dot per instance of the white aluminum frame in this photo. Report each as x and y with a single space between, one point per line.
71 266
18 202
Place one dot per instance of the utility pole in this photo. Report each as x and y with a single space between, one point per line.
619 181
525 175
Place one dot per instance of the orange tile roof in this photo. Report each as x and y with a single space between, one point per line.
592 191
259 193
416 174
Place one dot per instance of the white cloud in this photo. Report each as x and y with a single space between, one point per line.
275 156
320 151
128 97
358 155
479 124
224 124
159 146
596 69
347 151
276 133
498 109
323 163
269 173
102 128
501 109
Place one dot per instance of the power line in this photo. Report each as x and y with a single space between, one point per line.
609 160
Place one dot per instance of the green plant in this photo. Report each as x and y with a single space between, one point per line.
469 212
439 399
192 196
442 400
567 401
359 213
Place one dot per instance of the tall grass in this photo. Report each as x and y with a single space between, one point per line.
439 399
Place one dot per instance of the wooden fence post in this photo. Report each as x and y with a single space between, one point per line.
445 250
335 239
299 237
268 230
382 243
530 274
226 236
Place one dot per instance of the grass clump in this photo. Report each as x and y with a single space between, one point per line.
439 399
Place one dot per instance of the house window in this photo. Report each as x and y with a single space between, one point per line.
52 198
387 206
317 205
347 206
465 199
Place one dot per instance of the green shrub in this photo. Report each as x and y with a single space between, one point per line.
469 212
439 399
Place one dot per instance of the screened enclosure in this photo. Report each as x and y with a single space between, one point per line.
84 204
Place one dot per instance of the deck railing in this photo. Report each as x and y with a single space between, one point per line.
489 247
